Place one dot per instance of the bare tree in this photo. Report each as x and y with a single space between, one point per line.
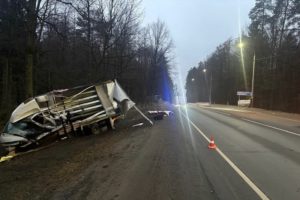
161 46
160 41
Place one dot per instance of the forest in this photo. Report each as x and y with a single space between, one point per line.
56 44
271 44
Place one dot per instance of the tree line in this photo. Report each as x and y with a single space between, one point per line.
52 44
271 43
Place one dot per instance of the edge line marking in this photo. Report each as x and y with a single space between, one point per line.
234 167
269 126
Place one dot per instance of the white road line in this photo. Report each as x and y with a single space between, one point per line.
226 109
253 111
273 127
234 167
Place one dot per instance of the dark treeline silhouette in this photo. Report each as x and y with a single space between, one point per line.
52 44
274 38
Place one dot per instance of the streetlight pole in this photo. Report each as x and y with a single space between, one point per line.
253 79
210 85
253 73
210 88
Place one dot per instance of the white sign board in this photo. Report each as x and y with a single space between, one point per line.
244 93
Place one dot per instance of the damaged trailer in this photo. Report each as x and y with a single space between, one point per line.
61 113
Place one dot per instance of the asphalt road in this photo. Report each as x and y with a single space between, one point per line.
270 158
169 160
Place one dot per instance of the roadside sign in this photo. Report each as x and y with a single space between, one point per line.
244 93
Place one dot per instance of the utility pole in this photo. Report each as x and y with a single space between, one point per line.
253 79
210 88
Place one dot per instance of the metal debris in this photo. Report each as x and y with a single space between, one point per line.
139 124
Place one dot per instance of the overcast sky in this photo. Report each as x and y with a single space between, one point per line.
198 26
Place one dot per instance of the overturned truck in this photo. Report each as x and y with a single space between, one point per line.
61 113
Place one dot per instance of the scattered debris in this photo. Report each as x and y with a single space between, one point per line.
136 108
164 112
168 112
139 124
63 138
159 114
5 158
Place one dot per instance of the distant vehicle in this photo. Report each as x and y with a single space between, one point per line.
63 112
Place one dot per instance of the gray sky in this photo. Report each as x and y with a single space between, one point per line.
197 27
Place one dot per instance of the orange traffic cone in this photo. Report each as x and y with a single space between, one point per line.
212 144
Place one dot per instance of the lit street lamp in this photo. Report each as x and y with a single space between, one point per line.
241 45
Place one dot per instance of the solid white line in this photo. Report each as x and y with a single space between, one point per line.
253 111
273 127
225 109
234 167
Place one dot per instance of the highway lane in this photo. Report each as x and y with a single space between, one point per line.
270 158
175 163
